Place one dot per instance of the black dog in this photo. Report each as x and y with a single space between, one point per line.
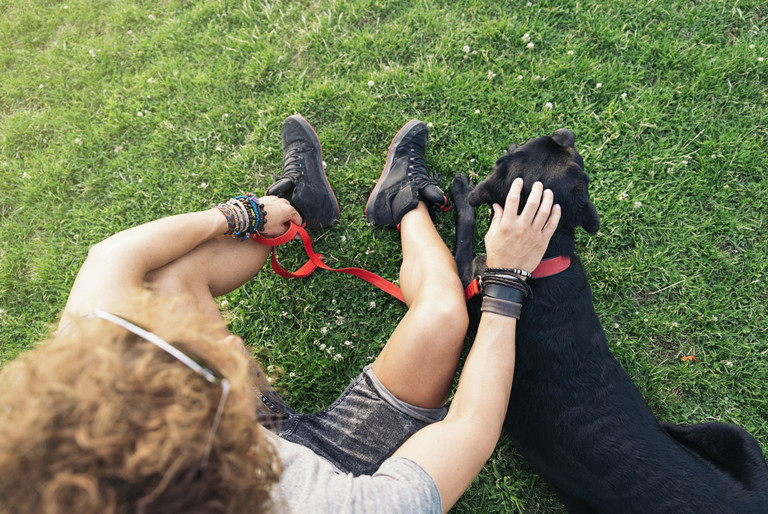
574 413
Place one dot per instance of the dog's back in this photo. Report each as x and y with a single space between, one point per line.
574 413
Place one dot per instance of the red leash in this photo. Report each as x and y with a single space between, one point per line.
316 261
546 268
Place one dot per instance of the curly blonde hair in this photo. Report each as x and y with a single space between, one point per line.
99 420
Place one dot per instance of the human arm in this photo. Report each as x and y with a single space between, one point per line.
454 450
120 263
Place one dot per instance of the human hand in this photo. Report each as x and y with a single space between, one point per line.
279 214
519 240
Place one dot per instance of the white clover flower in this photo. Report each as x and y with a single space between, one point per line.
323 346
347 343
370 83
151 17
623 196
130 32
752 45
599 85
491 74
570 52
674 324
430 124
203 185
270 368
325 164
292 374
78 141
760 59
466 49
343 239
526 37
338 357
477 111
729 364
93 54
26 175
40 86
139 114
683 162
224 303
615 325
637 205
529 46
623 96
66 7
324 330
140 180
548 106
519 77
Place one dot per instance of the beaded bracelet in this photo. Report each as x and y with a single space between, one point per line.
244 214
526 275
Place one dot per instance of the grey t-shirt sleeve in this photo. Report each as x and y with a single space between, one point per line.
310 483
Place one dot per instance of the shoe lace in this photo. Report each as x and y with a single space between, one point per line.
417 171
291 165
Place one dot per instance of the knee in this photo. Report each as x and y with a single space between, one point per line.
447 314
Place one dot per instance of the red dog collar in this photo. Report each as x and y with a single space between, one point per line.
552 266
546 268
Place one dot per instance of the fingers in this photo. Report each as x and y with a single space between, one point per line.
532 205
279 214
519 240
512 203
537 210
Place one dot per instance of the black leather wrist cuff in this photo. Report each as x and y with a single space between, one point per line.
509 294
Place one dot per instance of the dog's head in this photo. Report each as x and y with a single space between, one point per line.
553 161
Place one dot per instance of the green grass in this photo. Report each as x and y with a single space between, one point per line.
113 113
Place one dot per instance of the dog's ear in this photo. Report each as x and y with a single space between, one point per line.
587 216
513 147
564 137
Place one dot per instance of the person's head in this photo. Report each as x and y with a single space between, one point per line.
98 419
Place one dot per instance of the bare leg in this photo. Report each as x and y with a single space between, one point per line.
212 269
419 361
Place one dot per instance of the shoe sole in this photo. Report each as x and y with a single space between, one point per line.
304 122
390 157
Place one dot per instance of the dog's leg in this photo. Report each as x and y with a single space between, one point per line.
465 226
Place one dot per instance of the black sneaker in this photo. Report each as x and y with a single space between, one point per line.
303 181
404 181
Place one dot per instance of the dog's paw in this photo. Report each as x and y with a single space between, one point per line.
461 186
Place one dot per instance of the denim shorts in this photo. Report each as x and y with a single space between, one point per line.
358 431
